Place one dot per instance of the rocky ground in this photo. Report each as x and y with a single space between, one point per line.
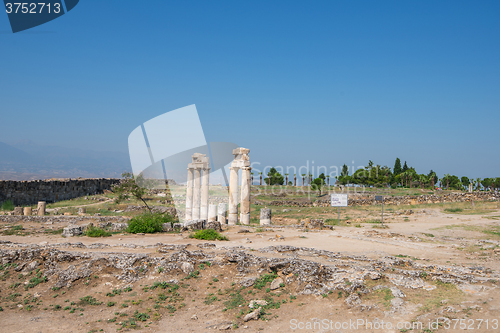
427 266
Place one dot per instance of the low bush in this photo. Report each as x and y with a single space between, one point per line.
96 232
7 205
208 234
148 223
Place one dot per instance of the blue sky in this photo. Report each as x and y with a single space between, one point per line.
330 82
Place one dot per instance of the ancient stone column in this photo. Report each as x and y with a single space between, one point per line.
245 195
222 213
265 216
204 193
233 196
27 211
18 211
189 195
41 208
212 213
197 194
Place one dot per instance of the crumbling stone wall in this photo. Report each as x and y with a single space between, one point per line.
30 192
365 200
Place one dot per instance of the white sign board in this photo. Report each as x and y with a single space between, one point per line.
339 200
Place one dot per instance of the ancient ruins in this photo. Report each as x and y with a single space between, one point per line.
241 161
197 188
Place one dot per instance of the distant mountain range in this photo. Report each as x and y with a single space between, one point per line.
27 160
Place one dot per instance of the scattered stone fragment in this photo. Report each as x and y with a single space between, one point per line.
252 315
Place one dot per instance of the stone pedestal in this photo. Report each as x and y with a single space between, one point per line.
41 208
189 195
222 213
233 196
212 213
18 211
27 211
265 216
197 194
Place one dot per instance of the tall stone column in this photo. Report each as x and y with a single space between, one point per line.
189 195
222 213
197 194
245 195
233 196
204 194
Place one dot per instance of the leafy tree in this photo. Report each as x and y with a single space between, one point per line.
345 171
274 178
318 183
128 187
496 183
397 167
487 183
451 182
423 180
433 178
465 181
405 167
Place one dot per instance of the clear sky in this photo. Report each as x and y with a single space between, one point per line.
326 81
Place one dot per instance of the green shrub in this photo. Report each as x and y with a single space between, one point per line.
8 205
96 232
208 234
453 210
148 223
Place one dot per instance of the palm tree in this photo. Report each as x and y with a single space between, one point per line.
478 180
260 173
447 176
295 179
251 178
423 180
303 176
410 180
286 179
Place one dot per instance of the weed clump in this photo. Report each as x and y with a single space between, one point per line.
208 234
96 232
148 223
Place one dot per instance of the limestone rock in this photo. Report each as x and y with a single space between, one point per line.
187 267
73 230
276 283
253 304
252 315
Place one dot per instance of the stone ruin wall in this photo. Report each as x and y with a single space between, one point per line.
365 200
30 192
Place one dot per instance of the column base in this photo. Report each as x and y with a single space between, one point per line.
204 213
245 219
232 219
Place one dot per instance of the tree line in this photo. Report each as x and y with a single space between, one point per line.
383 176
